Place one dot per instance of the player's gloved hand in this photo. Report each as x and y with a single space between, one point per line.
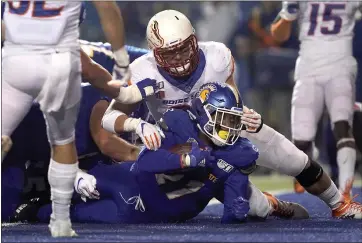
121 67
290 10
252 121
150 135
240 208
85 185
196 157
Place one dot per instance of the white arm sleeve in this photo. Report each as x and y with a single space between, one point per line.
110 116
129 95
277 152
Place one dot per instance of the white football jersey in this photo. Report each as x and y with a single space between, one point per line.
216 65
326 28
39 25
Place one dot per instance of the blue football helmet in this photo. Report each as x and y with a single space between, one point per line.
217 109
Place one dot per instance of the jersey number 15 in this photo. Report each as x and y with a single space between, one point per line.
39 9
328 15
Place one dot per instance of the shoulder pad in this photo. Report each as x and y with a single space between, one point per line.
218 55
174 118
143 67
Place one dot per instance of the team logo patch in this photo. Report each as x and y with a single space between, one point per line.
225 166
205 91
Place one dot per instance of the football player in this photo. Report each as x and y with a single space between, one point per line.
325 74
181 64
41 41
144 194
88 149
331 142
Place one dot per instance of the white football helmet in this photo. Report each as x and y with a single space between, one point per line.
172 38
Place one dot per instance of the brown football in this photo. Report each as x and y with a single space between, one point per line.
181 148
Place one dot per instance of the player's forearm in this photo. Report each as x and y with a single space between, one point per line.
112 22
99 77
119 149
102 80
116 120
159 161
281 29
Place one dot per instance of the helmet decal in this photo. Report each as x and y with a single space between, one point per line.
159 41
205 90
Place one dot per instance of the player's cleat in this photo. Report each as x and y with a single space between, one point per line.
298 188
61 228
348 209
6 144
284 209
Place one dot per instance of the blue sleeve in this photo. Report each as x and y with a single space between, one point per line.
230 187
158 161
242 154
161 160
2 9
83 13
235 193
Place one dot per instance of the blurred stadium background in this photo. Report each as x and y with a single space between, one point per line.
265 68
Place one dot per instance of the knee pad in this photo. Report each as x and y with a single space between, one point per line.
343 134
310 175
305 146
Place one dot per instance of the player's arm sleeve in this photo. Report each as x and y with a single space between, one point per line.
2 32
236 205
158 161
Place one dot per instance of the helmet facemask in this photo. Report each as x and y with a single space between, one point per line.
179 60
224 125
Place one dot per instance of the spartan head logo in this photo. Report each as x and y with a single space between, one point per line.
205 91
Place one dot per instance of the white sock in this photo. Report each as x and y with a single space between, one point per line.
346 160
259 203
332 196
61 178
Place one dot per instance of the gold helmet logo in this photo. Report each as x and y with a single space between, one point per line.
205 91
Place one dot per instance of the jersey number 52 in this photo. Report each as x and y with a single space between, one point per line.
328 15
39 9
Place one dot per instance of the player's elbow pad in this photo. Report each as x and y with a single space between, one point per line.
109 119
129 95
